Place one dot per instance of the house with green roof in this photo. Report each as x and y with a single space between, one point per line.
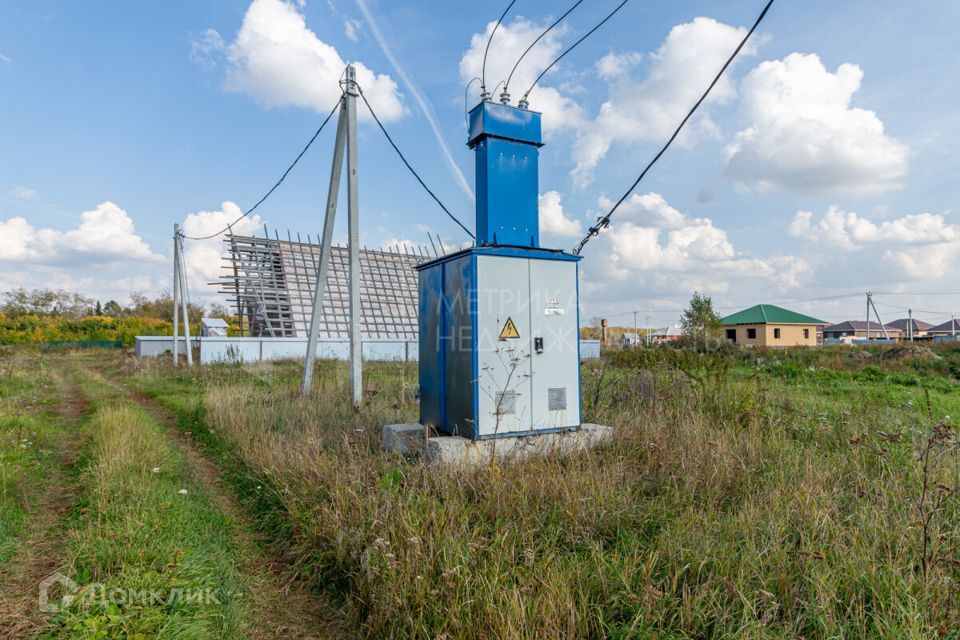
767 325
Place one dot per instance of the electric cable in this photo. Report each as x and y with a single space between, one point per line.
483 68
274 187
412 170
571 48
506 85
466 90
604 221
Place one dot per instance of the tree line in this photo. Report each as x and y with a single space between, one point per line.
59 303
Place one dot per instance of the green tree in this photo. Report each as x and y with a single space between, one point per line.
113 308
699 320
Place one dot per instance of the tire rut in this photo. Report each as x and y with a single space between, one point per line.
297 613
42 550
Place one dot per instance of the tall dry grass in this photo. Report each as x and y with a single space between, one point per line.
731 507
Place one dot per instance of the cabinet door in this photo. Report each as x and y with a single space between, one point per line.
503 345
554 338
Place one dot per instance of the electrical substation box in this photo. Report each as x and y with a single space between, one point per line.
499 322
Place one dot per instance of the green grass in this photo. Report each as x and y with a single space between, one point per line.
153 555
743 498
30 435
748 494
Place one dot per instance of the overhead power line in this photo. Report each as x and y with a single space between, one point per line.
278 183
506 86
571 48
483 68
412 170
604 221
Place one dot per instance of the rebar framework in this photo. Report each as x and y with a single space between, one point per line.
270 282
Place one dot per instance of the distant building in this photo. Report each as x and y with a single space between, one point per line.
666 334
920 327
949 328
767 325
854 329
213 327
629 340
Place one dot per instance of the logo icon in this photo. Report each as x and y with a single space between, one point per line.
47 588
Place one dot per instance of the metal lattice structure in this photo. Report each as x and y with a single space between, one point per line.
271 283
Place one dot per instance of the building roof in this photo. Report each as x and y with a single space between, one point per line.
768 314
904 323
668 332
949 325
215 322
630 336
859 325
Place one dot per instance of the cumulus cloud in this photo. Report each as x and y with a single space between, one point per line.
279 61
657 248
105 235
553 220
919 246
848 230
509 43
614 64
204 258
638 111
929 263
804 135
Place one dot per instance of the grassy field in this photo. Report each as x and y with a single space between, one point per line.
748 494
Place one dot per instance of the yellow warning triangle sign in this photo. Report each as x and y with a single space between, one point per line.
509 330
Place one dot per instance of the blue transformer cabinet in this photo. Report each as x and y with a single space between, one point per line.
499 322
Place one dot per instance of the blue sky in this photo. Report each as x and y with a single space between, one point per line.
824 165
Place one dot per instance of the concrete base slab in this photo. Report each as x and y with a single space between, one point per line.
415 440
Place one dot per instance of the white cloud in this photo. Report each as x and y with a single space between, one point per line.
849 230
6 59
651 109
614 65
654 248
24 193
279 61
553 220
804 135
929 263
509 43
105 235
204 258
207 48
352 28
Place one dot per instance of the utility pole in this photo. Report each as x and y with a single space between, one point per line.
910 324
333 193
180 299
346 140
183 303
353 237
877 314
953 325
176 295
635 330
